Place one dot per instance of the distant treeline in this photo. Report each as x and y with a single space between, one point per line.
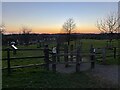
34 38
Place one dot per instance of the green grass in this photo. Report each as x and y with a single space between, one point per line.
36 77
23 53
85 48
39 78
22 62
18 62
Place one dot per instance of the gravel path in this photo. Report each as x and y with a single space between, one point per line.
107 73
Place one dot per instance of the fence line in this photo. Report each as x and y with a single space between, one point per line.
79 54
30 65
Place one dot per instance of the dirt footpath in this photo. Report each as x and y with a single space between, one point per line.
106 73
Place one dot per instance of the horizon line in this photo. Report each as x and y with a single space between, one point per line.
50 33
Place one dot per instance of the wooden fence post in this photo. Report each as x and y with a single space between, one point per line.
8 60
78 59
54 62
58 52
92 57
115 52
71 56
46 59
104 55
66 55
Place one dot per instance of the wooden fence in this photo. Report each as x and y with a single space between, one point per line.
54 59
12 58
103 53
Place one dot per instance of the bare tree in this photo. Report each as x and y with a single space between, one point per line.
109 25
2 28
25 30
68 28
26 34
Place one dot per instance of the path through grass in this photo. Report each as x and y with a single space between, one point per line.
39 78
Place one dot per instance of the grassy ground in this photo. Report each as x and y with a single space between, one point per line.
85 48
39 78
86 43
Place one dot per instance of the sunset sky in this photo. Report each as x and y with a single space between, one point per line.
48 17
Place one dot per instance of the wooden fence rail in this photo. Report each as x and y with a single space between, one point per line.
30 65
56 57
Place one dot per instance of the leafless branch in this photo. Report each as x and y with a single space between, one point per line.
2 28
25 30
110 24
69 26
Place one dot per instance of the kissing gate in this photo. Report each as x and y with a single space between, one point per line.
72 56
63 56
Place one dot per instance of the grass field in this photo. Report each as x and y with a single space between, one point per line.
85 48
40 78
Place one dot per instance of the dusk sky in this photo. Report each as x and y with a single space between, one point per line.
48 17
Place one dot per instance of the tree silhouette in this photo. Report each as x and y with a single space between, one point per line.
2 28
25 31
68 28
109 25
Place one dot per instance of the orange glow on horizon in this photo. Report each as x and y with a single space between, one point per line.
52 30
